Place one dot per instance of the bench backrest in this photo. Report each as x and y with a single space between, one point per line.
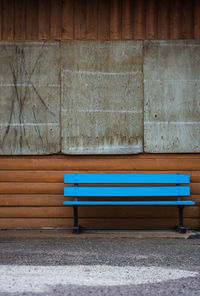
176 179
126 179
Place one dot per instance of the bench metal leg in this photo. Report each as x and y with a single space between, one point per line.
180 227
76 228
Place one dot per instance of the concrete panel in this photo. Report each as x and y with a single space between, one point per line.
29 98
172 96
101 97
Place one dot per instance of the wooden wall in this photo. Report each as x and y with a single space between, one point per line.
31 188
31 191
99 19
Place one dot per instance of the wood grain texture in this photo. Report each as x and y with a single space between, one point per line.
100 19
116 20
151 20
139 20
91 20
99 163
19 19
52 188
1 19
103 20
163 19
67 20
19 200
55 20
49 200
120 212
79 19
187 19
66 223
127 20
44 20
58 176
175 19
31 20
196 12
8 20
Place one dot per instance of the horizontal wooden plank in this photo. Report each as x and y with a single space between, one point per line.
99 212
99 163
58 176
57 200
195 188
65 223
51 188
137 156
31 200
31 188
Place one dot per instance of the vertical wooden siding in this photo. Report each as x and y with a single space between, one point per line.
99 19
31 191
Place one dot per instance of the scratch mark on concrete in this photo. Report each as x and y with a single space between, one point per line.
21 86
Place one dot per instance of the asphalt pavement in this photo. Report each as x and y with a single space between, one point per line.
60 264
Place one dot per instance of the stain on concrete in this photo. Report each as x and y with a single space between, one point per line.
29 98
101 94
172 96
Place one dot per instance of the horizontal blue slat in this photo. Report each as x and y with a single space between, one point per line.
127 178
127 191
136 203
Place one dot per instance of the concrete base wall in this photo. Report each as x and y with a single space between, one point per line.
114 97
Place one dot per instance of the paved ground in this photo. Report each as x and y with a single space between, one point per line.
58 264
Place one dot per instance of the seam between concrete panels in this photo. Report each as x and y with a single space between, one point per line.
142 98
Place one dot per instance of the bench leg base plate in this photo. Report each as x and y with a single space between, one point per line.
76 230
181 229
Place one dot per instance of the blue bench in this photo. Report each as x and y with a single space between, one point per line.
177 190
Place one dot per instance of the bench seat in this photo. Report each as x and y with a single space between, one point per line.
128 203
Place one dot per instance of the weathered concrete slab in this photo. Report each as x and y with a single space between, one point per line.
101 97
172 96
29 98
